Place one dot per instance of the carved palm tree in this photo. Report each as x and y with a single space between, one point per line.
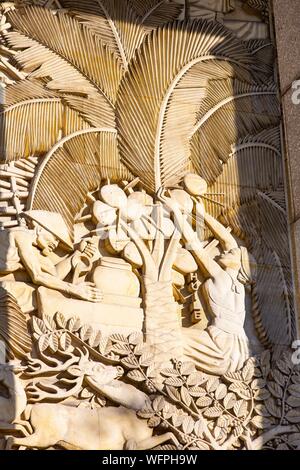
118 90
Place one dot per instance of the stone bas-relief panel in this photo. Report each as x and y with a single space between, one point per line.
146 287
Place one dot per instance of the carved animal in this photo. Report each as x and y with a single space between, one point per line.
81 428
104 380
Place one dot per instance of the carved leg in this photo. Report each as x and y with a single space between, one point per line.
15 427
155 441
34 440
26 425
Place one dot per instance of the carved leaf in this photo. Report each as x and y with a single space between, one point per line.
170 372
217 432
221 392
262 394
284 367
74 324
228 100
53 343
136 375
86 332
248 372
229 401
279 377
188 425
294 440
275 389
233 377
81 160
258 384
86 393
135 338
196 378
49 322
65 341
173 393
212 385
273 408
112 22
241 390
121 348
43 343
96 340
293 416
203 402
203 446
213 412
60 320
159 403
39 326
240 408
197 392
293 401
105 73
146 413
261 422
294 390
262 410
154 422
177 419
296 379
149 149
199 428
130 362
185 396
146 359
174 381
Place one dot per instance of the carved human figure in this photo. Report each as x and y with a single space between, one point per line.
25 260
223 346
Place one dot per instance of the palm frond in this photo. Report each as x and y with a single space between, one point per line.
60 76
263 51
143 7
254 166
113 22
64 36
246 109
33 119
13 327
163 12
74 167
147 91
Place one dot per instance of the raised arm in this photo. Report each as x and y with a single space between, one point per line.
221 233
208 266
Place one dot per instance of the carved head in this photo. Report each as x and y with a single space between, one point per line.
231 259
46 241
51 230
240 260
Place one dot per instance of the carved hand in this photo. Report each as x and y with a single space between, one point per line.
86 291
88 248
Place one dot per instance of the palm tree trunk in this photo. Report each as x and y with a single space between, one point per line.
162 321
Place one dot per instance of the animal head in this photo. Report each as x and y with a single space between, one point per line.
100 373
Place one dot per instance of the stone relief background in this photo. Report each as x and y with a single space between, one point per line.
146 284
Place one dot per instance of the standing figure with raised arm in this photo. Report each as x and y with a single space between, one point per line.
223 346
